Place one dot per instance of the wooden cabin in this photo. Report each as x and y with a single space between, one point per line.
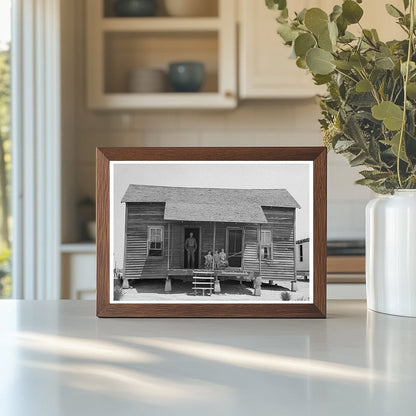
256 228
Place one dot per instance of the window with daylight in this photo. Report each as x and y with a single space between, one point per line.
155 241
5 149
266 244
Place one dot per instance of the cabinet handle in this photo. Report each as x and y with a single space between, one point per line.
229 94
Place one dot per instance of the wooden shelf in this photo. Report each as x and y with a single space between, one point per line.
346 264
87 247
160 24
199 100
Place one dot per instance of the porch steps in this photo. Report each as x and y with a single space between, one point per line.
203 281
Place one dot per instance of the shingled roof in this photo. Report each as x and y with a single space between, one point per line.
244 213
263 197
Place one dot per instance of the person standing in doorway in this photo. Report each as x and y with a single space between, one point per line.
190 247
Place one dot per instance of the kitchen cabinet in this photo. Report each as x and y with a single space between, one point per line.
118 45
265 70
78 271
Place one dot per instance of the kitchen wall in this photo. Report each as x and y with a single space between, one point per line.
253 123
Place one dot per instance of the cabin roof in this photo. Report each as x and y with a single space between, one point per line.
213 196
213 212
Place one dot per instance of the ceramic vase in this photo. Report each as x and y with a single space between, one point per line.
186 76
135 8
391 253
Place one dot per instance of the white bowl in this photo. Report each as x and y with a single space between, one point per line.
191 8
147 80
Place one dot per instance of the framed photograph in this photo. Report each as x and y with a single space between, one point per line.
211 232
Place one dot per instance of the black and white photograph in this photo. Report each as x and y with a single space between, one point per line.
218 232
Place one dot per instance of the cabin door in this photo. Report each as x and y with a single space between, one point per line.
191 260
234 246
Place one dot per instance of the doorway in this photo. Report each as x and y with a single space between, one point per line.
196 232
234 246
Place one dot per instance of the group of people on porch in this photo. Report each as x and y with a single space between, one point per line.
216 260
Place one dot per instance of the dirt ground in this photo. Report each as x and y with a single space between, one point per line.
154 290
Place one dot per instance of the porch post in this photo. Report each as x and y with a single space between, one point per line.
259 247
213 244
168 283
294 285
168 246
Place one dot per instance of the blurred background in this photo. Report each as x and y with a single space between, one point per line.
145 73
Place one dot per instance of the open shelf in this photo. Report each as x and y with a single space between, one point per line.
119 45
160 24
126 51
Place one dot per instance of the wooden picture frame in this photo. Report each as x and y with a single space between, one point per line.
315 307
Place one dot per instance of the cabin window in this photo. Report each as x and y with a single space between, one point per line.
155 241
300 252
266 244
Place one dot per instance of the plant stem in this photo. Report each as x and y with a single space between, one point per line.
406 80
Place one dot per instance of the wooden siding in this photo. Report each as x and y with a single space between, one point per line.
282 265
282 223
137 263
251 258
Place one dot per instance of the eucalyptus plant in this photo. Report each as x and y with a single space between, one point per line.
369 111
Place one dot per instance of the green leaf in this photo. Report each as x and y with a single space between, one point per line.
276 4
351 11
406 4
287 33
411 90
301 15
358 160
374 174
342 25
388 112
363 86
301 63
319 61
343 145
347 37
325 42
321 79
336 12
358 61
303 43
333 32
316 20
393 11
344 65
375 35
394 145
384 62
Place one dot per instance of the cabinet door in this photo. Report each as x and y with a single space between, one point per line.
265 68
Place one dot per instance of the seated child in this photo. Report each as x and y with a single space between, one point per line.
223 259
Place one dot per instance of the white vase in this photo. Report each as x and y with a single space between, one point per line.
391 253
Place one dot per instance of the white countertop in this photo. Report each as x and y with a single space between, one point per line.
57 358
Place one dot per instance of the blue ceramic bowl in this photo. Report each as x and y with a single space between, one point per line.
135 8
186 76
